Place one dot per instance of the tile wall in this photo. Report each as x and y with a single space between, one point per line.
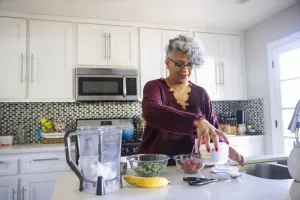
29 114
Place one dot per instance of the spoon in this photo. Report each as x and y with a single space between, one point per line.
233 176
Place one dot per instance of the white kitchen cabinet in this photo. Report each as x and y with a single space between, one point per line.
171 34
152 61
13 58
30 173
92 44
231 67
38 186
8 166
122 45
248 145
9 188
113 46
222 74
50 54
207 75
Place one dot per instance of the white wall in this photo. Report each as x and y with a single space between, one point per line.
256 40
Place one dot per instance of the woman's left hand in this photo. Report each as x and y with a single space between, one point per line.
235 156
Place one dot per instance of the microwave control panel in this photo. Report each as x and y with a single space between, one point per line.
131 86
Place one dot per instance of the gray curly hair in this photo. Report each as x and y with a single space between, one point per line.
188 45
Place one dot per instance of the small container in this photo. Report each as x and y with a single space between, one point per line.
189 163
6 140
127 134
148 165
215 157
241 129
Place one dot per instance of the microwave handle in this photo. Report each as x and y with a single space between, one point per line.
124 87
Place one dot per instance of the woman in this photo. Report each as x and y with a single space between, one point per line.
176 110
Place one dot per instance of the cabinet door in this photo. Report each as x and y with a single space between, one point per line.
171 35
207 76
13 58
121 46
50 60
38 186
151 55
231 67
8 188
92 42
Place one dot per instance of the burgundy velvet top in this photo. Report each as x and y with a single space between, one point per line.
169 128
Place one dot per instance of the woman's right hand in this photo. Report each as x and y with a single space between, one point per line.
207 131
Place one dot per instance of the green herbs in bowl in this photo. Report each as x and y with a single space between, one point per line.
149 169
148 165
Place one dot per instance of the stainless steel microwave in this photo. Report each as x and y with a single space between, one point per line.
93 84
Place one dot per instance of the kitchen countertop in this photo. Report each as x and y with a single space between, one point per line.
32 148
244 188
244 136
36 148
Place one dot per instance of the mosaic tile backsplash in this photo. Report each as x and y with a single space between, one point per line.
254 110
12 115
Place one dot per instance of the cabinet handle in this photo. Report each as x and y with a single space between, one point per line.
105 45
13 194
216 72
1 162
45 159
222 68
129 46
32 68
22 66
109 47
124 87
23 193
220 73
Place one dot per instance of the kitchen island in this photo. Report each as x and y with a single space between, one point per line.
244 188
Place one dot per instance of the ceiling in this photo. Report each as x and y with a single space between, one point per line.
218 14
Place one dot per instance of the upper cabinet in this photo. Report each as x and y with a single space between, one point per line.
45 71
113 46
223 72
51 60
12 58
207 75
38 57
151 55
92 44
231 68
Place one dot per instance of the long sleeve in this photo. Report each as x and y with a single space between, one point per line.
209 112
162 117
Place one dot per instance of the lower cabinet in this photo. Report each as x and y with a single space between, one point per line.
30 176
248 145
38 186
8 188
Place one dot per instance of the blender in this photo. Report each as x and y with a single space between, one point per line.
99 148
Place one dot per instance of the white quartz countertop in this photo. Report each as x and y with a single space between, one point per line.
37 148
32 148
244 188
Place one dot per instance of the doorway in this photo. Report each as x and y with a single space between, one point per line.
285 90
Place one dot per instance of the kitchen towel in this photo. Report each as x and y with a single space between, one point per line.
295 118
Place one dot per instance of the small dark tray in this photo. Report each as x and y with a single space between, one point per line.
252 133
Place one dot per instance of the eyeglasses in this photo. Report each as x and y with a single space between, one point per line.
180 65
